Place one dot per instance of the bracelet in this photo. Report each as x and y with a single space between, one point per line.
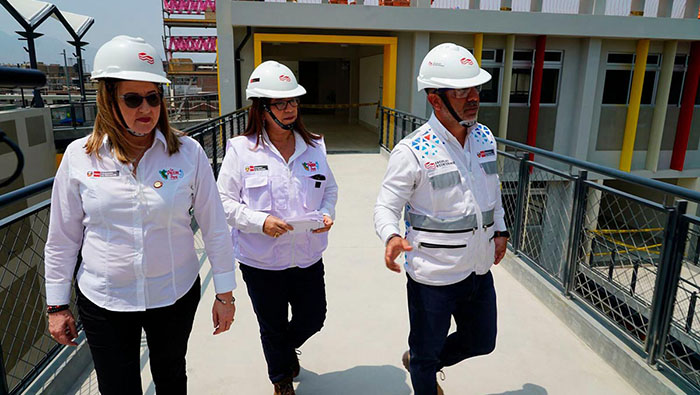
233 299
56 308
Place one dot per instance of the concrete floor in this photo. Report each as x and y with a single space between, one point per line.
342 137
359 349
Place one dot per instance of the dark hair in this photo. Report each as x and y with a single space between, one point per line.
256 121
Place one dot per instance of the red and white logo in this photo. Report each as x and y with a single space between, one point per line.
466 61
285 78
146 58
430 165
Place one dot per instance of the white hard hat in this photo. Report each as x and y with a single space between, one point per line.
450 66
129 58
273 80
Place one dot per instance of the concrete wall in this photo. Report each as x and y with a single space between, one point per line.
370 87
31 130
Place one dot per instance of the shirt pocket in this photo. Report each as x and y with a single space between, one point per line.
257 190
446 248
493 187
314 188
447 194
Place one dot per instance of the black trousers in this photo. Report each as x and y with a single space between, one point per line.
115 342
272 292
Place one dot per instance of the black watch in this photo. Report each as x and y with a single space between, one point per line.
501 233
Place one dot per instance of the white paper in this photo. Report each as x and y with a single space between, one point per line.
306 223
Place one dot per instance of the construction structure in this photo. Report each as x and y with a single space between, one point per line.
187 28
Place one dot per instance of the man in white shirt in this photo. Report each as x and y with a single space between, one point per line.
444 175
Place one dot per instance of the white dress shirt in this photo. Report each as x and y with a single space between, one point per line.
256 181
137 244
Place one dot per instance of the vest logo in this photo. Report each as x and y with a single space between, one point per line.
430 165
426 144
310 166
102 174
466 61
438 164
485 153
253 168
144 57
253 80
171 174
285 78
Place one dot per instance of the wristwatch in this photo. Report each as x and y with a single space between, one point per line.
501 233
56 308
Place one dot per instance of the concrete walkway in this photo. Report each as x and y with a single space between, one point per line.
359 349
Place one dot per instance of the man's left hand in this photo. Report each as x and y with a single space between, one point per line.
501 243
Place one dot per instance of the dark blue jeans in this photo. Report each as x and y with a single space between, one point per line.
272 292
472 302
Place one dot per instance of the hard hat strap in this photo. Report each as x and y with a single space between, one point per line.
277 121
466 124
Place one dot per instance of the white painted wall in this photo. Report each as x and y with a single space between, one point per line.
370 87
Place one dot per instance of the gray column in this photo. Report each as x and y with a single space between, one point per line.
225 57
665 8
535 5
659 118
585 102
505 88
421 46
691 9
474 4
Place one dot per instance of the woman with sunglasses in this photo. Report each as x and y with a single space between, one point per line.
122 197
279 196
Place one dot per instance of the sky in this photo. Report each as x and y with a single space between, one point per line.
142 18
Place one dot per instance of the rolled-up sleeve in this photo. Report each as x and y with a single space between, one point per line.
65 234
211 219
238 215
397 188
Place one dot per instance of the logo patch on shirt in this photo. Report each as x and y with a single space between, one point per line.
426 144
102 174
171 174
438 164
310 166
253 168
485 153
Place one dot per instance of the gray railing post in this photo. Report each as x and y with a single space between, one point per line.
521 200
4 389
667 278
575 231
381 126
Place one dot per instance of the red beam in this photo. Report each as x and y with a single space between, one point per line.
536 92
685 117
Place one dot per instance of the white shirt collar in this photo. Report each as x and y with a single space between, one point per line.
299 145
442 131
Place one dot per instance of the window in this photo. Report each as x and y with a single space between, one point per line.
550 83
618 78
520 85
489 91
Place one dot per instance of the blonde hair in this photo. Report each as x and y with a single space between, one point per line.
109 122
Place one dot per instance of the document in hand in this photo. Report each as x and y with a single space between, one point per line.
306 222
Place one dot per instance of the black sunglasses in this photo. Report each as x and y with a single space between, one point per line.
134 100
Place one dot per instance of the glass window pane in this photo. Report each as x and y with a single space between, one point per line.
552 56
550 84
680 60
616 86
648 87
489 90
653 60
522 55
499 55
625 58
488 54
674 95
520 86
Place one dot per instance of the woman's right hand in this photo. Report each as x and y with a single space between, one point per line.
275 227
62 327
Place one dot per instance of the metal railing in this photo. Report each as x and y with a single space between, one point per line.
25 345
193 107
212 135
634 262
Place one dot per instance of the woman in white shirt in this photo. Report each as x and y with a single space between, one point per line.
122 196
279 196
